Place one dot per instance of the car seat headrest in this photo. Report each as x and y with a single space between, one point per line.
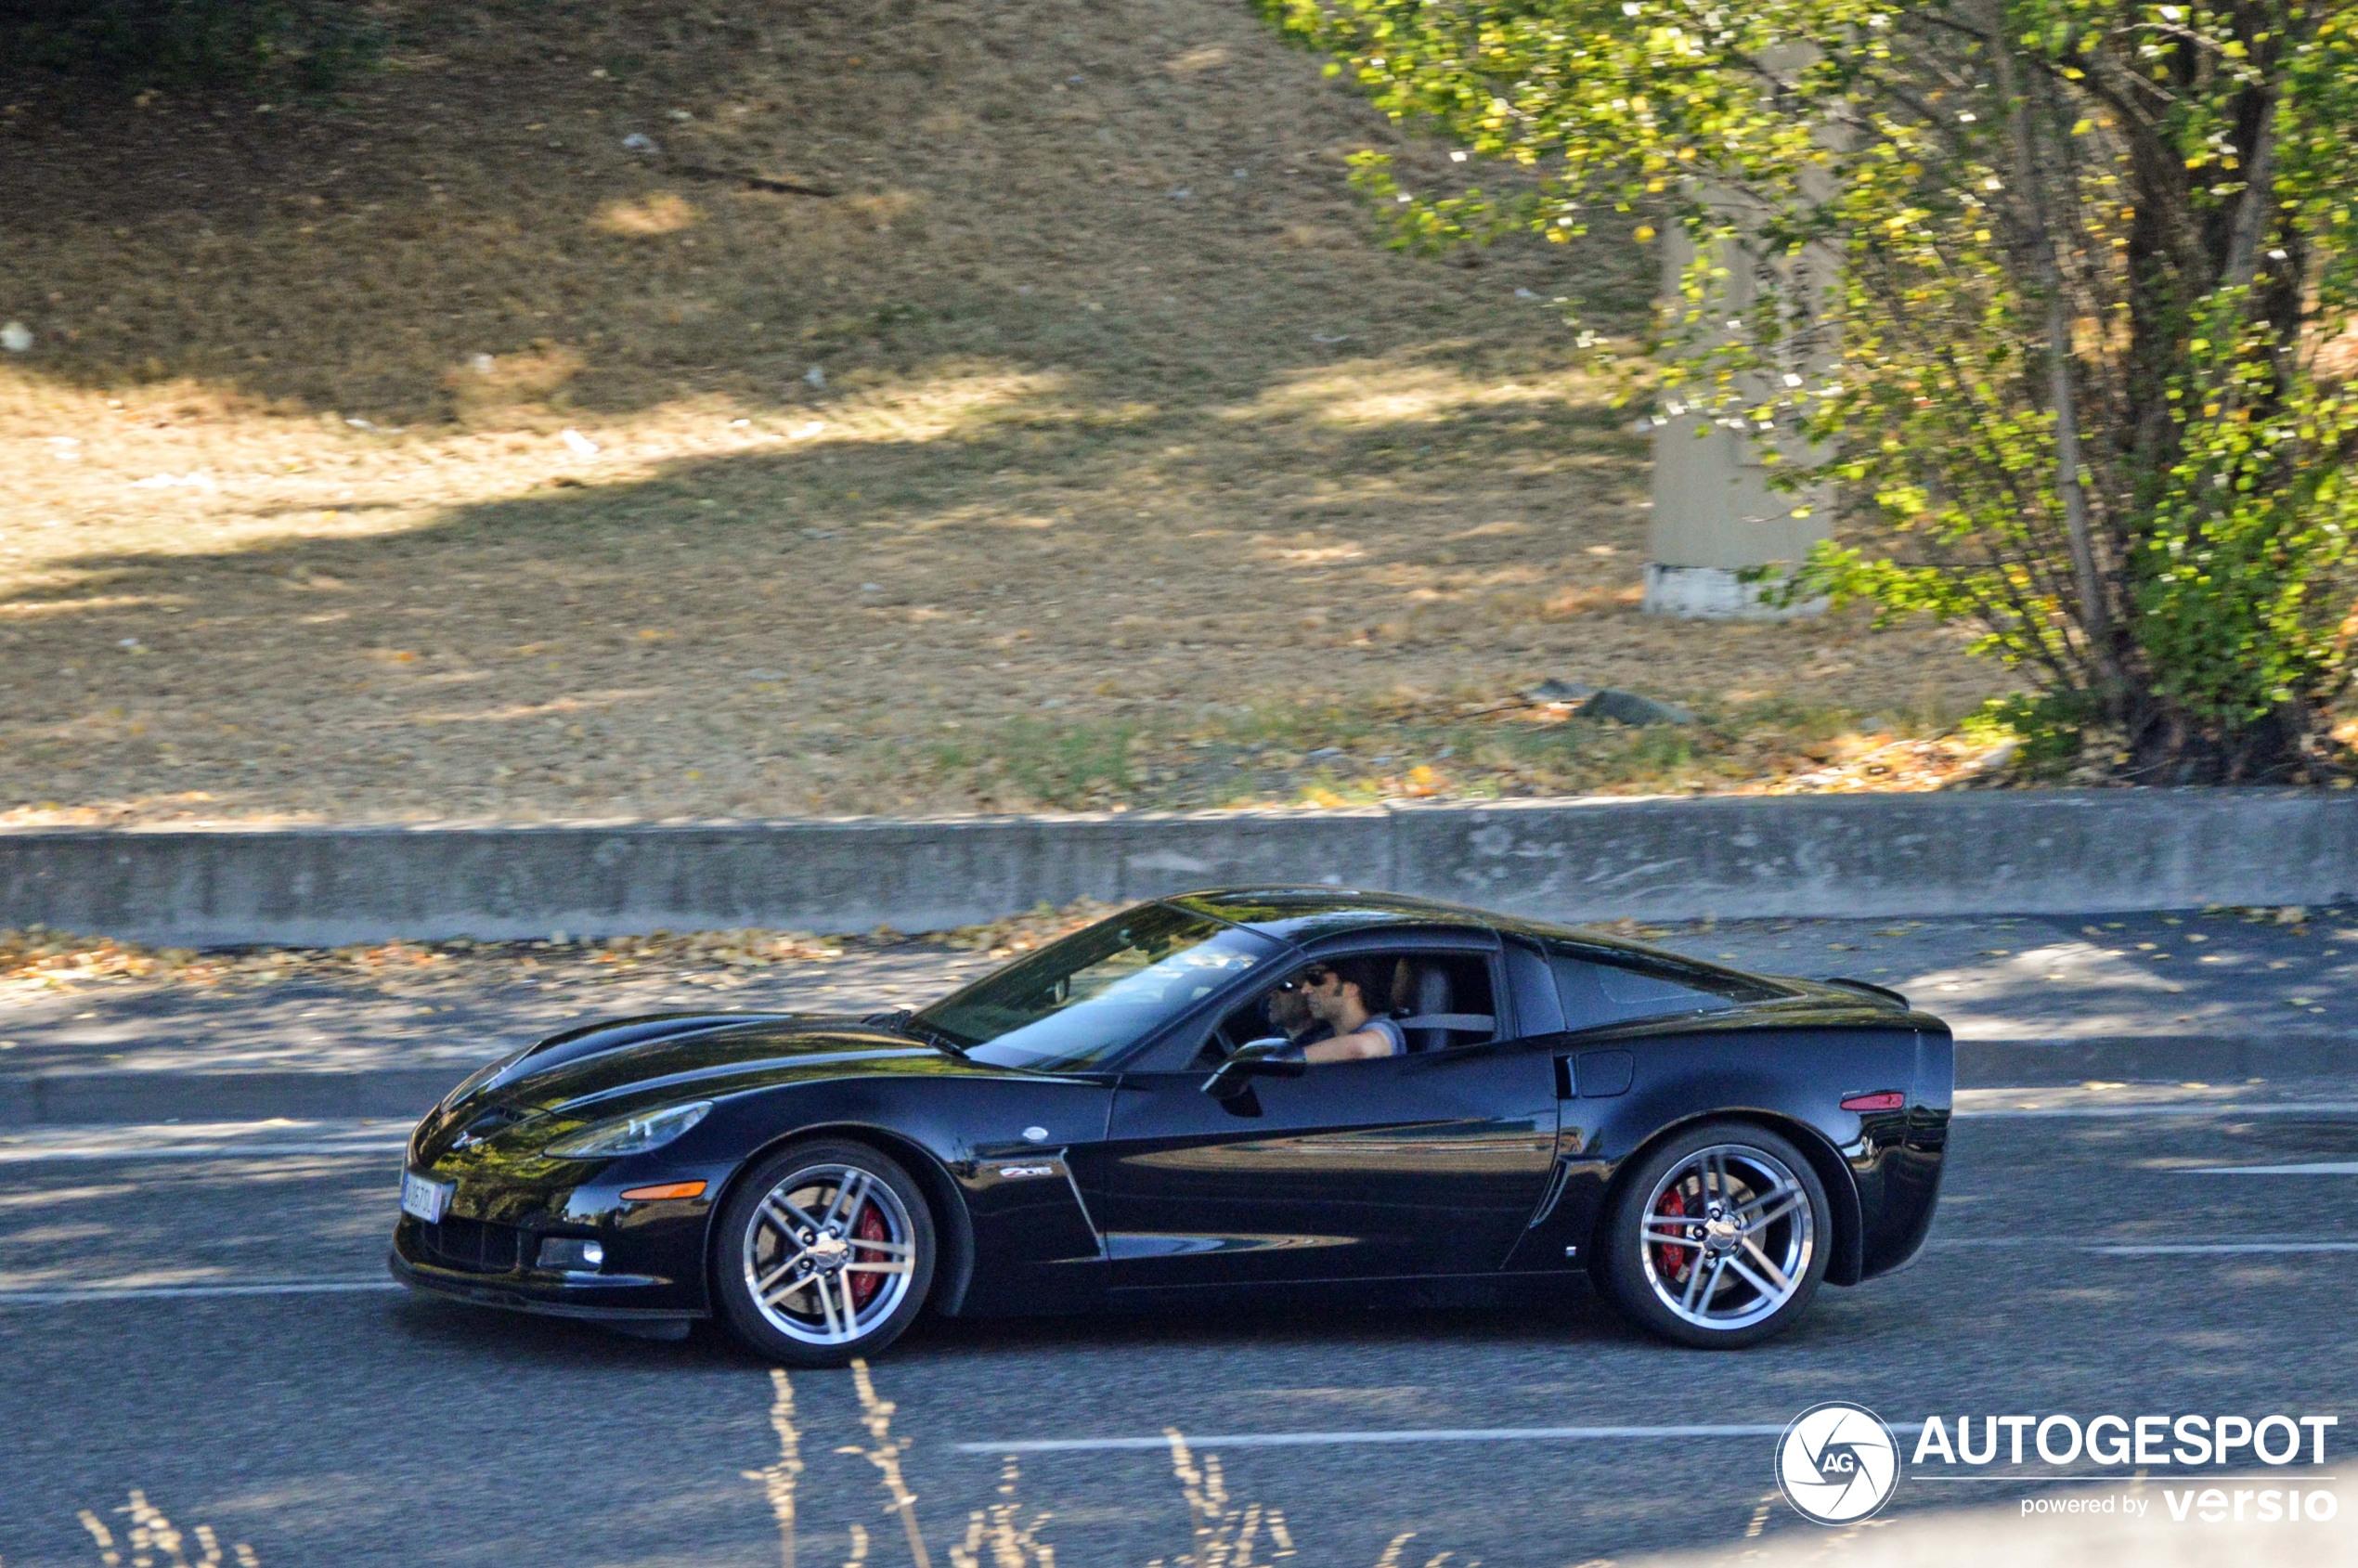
1430 994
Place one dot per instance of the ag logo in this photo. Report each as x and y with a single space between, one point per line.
1837 1463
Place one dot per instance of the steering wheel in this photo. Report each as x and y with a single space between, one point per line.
1217 1048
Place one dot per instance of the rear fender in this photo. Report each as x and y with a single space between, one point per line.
1846 1262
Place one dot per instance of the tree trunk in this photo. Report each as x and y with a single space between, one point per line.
2171 747
2095 617
2251 212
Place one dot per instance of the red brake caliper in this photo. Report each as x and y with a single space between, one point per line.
869 1227
1671 1262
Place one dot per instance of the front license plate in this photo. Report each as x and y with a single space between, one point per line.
424 1199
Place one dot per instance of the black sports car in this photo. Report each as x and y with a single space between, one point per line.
1146 1111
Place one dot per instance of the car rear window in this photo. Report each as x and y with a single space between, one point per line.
1594 991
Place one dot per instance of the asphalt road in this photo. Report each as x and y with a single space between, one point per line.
2092 1257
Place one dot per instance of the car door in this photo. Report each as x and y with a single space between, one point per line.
1425 1163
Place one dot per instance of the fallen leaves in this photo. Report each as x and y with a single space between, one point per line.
661 212
1897 766
1021 933
745 948
37 959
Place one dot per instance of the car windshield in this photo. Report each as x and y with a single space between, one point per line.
1075 1005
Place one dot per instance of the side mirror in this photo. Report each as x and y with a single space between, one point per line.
1257 1058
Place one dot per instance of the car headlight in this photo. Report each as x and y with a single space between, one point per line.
631 1135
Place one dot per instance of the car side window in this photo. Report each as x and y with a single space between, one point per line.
1442 999
1255 1019
1593 993
1437 999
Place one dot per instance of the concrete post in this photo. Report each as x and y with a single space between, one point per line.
1714 512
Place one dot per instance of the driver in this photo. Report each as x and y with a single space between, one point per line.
1347 996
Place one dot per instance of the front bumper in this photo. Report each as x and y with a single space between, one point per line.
487 1249
524 1293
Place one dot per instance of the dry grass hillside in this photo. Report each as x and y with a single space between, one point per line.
640 410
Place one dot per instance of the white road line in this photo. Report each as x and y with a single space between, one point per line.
175 1292
2321 1168
34 1155
2271 1107
1323 1439
2140 1249
2069 1242
204 1140
2174 1249
2021 1478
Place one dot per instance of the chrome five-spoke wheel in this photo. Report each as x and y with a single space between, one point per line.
1721 1237
832 1253
1728 1236
829 1255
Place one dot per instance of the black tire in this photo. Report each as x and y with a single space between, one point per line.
1688 1279
816 1314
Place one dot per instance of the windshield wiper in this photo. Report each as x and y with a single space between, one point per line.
933 1037
901 1020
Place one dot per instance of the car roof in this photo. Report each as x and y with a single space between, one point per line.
1282 910
1304 914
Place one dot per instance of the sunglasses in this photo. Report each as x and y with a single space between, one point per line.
1309 980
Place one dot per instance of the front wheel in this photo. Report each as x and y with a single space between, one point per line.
824 1252
1720 1238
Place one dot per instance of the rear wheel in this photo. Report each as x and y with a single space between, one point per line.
1719 1239
824 1252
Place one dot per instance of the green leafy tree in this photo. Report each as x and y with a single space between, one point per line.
308 44
2072 357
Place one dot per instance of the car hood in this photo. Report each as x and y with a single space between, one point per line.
633 1064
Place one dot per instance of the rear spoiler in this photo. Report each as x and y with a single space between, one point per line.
1868 988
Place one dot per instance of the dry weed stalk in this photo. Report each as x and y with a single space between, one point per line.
155 1542
877 1416
1224 1536
1012 1545
778 1478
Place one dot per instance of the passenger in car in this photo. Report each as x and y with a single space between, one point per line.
1351 995
1287 1010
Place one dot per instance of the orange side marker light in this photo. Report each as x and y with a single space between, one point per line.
668 1189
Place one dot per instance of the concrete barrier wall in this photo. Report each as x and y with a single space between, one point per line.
1877 855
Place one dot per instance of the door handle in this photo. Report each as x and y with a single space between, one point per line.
1565 1086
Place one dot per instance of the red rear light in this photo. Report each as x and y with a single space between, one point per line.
1887 1099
